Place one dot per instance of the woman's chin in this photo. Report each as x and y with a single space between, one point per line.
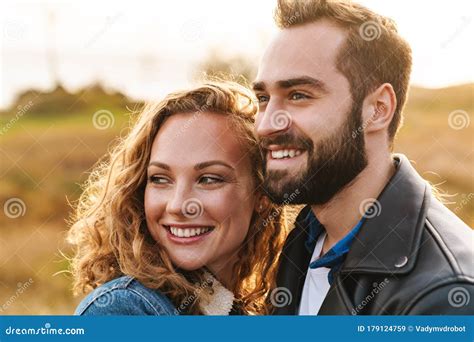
188 263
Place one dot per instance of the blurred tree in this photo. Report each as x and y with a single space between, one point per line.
236 68
59 101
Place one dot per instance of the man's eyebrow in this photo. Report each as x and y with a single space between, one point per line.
293 82
210 163
304 80
258 86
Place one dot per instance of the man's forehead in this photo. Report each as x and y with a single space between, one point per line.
323 30
307 49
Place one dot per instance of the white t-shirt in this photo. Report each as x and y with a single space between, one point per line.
316 284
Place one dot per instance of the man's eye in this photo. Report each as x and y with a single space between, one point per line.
158 180
298 96
210 180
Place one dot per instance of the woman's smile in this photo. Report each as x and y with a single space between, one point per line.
187 233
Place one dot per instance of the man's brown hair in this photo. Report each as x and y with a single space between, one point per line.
374 53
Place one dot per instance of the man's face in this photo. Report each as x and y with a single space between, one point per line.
307 122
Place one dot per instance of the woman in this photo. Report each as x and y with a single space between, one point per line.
174 222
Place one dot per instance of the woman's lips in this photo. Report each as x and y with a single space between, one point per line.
186 234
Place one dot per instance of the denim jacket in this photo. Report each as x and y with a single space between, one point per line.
125 296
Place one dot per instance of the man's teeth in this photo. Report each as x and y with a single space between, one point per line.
290 153
188 232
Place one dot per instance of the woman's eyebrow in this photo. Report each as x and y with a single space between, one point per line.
210 163
160 165
196 167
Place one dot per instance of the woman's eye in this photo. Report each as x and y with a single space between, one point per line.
158 180
210 180
298 96
262 98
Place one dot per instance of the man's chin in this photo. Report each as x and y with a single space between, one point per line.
297 193
282 189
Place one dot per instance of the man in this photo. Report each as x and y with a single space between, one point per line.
372 239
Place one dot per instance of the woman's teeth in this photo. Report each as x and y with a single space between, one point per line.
188 232
289 153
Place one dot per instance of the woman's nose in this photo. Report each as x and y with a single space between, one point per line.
182 203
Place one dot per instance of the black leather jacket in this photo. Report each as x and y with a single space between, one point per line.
415 258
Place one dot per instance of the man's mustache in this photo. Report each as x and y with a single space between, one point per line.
287 139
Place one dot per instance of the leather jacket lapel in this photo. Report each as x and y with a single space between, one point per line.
294 262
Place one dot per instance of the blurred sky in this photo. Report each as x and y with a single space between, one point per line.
147 48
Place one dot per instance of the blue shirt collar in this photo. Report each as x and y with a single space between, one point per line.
334 258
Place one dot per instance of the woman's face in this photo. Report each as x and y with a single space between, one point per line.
200 194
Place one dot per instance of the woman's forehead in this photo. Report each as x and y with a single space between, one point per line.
197 137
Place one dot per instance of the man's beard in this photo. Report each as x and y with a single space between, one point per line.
332 164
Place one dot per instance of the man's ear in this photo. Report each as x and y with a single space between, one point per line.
378 109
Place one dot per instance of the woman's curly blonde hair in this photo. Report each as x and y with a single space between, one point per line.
108 227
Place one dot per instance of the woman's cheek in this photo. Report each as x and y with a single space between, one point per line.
153 211
154 198
233 209
219 204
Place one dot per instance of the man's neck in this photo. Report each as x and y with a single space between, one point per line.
343 211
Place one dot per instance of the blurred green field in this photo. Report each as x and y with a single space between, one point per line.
48 143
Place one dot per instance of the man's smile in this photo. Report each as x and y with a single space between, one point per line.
280 156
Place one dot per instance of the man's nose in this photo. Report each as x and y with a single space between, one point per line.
273 120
